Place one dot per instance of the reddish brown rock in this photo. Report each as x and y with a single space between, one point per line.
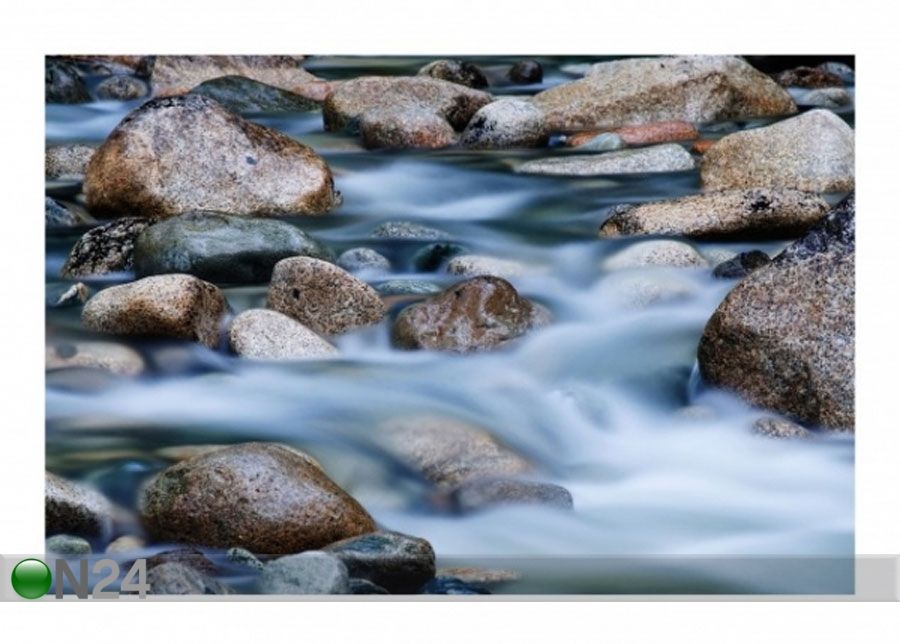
809 77
410 127
659 132
702 145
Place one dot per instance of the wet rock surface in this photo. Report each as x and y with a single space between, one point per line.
480 494
506 123
401 128
179 74
63 83
179 579
108 248
668 157
241 94
361 259
268 335
657 252
121 88
72 508
67 161
456 71
67 545
741 265
810 77
396 562
112 357
307 573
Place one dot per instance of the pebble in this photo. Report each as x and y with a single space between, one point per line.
360 259
67 545
657 252
262 334
397 562
72 508
741 265
307 573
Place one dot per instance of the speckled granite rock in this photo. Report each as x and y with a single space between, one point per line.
743 213
360 259
173 306
812 152
526 72
108 248
67 161
407 230
828 97
267 498
307 573
398 562
668 157
121 88
473 265
241 94
72 508
322 296
775 427
67 545
783 338
696 89
506 123
405 127
178 154
221 248
179 74
741 265
456 71
269 335
656 252
112 357
658 132
481 313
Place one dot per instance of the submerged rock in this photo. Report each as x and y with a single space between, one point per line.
484 493
506 123
323 296
407 230
174 155
828 97
58 216
269 335
121 88
71 508
67 295
526 72
742 213
179 74
775 427
812 152
696 89
668 157
267 498
741 265
474 265
63 83
405 127
783 338
67 545
179 579
359 259
108 248
173 306
308 573
221 248
456 71
241 94
67 161
481 313
656 252
397 562
452 586
109 356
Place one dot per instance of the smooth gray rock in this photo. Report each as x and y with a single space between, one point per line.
359 259
668 157
269 335
398 562
67 545
307 573
71 508
179 579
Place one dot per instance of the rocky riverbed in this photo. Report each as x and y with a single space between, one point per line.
325 325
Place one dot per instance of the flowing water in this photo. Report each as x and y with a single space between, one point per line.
671 490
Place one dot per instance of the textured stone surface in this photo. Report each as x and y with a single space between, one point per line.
506 123
267 498
407 230
812 152
775 427
696 89
349 100
67 161
526 72
473 265
241 94
192 557
481 313
595 142
76 509
174 155
63 84
108 248
398 128
456 71
829 97
58 216
115 358
67 545
668 157
659 132
179 579
323 296
359 259
656 252
741 265
221 248
308 573
125 544
397 562
121 88
742 213
243 557
447 451
407 287
174 306
484 493
783 338
179 74
808 77
269 335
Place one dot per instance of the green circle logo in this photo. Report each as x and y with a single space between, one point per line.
31 578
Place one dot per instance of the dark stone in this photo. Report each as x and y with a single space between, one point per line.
398 562
432 256
105 249
191 557
241 94
63 84
366 587
121 88
808 77
456 71
56 215
452 586
173 578
741 265
526 72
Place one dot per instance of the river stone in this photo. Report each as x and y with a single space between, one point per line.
407 230
456 71
72 508
828 97
179 579
526 72
473 265
125 544
307 573
64 295
448 452
481 313
481 576
179 74
742 213
696 89
243 557
407 287
483 493
775 427
112 357
174 155
108 248
405 127
67 161
668 157
809 77
269 335
842 70
701 146
452 586
63 83
398 562
267 498
594 142
359 259
121 88
656 252
240 94
221 248
812 152
635 290
67 545
741 265
191 557
506 123
322 296
349 100
58 216
659 132
172 306
783 338
431 256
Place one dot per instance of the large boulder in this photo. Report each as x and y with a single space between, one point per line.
221 248
267 498
351 99
172 306
742 213
783 338
697 89
174 155
668 157
812 152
